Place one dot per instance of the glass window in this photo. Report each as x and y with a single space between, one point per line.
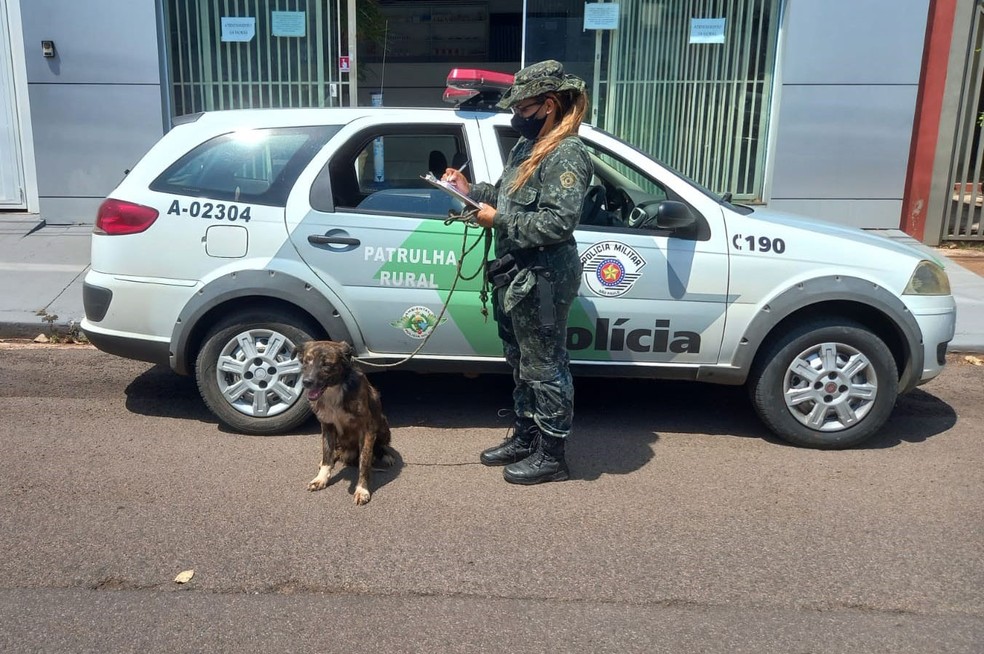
380 171
253 166
702 106
619 192
288 60
508 138
398 160
615 172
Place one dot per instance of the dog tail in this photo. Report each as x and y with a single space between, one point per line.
383 456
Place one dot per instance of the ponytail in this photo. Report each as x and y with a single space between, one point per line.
572 107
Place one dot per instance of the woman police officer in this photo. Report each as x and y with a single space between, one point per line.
533 210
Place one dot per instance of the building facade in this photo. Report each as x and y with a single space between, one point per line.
821 108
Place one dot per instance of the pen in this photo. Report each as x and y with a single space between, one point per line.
464 165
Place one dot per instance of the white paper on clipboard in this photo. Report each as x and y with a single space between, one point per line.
450 189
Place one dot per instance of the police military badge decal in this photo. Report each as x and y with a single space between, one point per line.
611 268
417 322
568 179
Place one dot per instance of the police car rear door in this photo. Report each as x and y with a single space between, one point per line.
374 232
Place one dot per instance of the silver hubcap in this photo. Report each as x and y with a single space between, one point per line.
258 374
830 387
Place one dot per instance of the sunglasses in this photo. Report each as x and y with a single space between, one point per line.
524 110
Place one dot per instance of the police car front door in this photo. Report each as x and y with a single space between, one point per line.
647 296
647 299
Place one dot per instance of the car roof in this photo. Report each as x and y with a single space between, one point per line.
246 118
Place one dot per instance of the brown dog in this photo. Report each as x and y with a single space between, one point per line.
353 427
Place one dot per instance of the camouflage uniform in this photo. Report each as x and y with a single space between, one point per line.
536 225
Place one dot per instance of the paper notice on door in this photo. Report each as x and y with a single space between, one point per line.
238 28
600 16
707 30
288 23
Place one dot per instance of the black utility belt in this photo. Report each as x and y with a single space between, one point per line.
502 271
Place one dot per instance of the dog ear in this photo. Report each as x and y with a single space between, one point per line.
348 351
301 349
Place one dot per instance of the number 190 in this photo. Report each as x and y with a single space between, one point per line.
765 244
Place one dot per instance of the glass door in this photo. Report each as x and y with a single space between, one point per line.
236 54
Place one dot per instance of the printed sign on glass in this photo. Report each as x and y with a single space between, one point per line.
239 29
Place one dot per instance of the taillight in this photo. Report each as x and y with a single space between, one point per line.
119 217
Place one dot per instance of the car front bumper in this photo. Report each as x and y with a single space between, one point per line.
937 319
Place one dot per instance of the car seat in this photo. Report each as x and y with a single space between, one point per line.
344 184
593 210
437 163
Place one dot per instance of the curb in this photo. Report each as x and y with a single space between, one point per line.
30 330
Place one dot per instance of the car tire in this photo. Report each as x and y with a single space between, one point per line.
248 374
826 384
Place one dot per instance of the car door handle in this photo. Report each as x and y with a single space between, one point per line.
335 237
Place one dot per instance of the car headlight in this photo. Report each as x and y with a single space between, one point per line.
928 279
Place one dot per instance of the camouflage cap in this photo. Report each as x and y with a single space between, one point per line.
537 79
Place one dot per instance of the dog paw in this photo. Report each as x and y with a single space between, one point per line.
382 465
384 460
362 495
317 484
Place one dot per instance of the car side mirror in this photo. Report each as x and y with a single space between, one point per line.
673 215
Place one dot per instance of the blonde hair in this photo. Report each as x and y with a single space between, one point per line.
572 107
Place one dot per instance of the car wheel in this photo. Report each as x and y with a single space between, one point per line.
248 373
825 384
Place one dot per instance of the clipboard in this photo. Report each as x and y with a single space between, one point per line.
450 189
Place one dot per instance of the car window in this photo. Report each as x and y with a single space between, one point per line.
254 166
615 190
507 137
613 172
623 191
607 167
380 170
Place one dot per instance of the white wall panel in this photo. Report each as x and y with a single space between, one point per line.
842 127
854 41
96 106
867 214
70 211
848 142
85 146
96 41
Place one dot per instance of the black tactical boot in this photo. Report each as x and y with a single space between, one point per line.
518 447
545 464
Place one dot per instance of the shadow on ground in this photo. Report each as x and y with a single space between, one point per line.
610 414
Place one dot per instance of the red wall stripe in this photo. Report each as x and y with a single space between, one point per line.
926 127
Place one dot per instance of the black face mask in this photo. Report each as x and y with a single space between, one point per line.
528 127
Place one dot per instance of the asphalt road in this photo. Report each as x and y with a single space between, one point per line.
686 527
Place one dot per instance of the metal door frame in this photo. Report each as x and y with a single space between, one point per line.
14 160
958 116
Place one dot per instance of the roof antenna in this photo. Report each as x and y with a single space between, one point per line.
382 74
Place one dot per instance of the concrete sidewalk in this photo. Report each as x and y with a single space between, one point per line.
42 268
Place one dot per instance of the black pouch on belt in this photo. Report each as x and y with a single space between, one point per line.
545 298
502 271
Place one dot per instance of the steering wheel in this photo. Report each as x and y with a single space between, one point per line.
637 218
622 201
